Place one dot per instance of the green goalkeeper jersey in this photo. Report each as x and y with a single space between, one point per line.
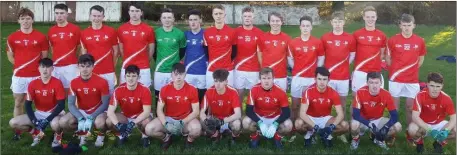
167 48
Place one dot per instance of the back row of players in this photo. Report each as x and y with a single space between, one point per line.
241 52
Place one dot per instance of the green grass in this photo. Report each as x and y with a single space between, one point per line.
440 41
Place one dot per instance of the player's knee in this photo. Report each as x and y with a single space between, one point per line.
235 125
195 128
55 124
413 128
287 126
14 123
344 125
246 122
100 123
397 127
299 124
355 125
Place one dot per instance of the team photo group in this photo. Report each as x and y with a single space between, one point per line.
203 77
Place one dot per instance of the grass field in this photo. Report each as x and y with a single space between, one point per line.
440 41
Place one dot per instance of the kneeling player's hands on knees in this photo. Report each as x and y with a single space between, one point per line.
81 122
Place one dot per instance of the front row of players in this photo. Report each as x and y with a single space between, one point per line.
267 110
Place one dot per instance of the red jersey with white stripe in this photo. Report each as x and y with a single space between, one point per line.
64 42
433 110
135 40
89 92
131 101
337 49
221 105
368 53
246 42
274 52
219 44
320 103
404 53
99 43
178 103
305 55
372 107
27 50
267 103
45 96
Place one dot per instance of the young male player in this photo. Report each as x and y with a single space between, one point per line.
134 100
48 95
430 109
273 50
177 111
90 92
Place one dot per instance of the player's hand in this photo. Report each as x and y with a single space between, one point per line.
42 124
329 130
81 122
383 133
373 128
121 127
263 127
433 133
88 123
316 128
442 135
272 130
130 127
35 123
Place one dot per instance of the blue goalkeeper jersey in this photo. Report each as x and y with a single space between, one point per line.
196 60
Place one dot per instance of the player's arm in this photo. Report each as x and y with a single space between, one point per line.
339 114
83 49
111 114
416 119
356 106
160 114
121 50
193 114
115 54
388 57
102 108
451 124
392 111
151 51
303 114
236 115
10 55
285 113
290 57
57 110
259 55
351 57
29 110
204 108
383 53
72 107
421 60
145 114
234 52
250 108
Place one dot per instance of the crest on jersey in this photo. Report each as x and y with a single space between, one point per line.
61 34
131 99
177 98
433 107
133 32
194 41
337 43
267 99
86 90
218 37
45 92
370 38
321 100
372 104
220 103
247 38
275 43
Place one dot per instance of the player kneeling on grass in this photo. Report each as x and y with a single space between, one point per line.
48 95
135 100
221 110
177 110
431 106
368 109
267 109
91 93
315 111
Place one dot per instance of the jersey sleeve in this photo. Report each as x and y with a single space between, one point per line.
305 97
384 40
284 100
182 40
113 99
335 97
104 88
82 41
320 48
30 93
323 38
152 36
162 93
450 110
234 37
44 43
193 96
72 89
205 35
60 91
146 98
390 46
235 100
352 44
9 44
417 104
423 48
114 38
356 101
250 98
119 37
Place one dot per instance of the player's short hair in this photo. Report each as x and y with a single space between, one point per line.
178 68
306 17
61 6
219 6
86 59
247 9
98 8
435 77
194 12
322 71
167 10
136 5
132 69
369 8
46 62
265 71
339 15
274 13
25 12
406 18
220 75
373 75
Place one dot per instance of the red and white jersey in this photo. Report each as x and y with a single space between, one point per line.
372 107
246 42
64 42
135 40
305 55
27 50
337 49
131 101
221 105
178 103
274 52
267 103
99 43
320 103
368 53
433 110
45 96
404 53
89 92
219 44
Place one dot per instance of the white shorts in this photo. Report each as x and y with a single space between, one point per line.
320 121
245 80
300 84
151 115
210 79
145 77
408 90
20 85
171 120
225 127
66 74
341 86
198 81
85 115
359 79
438 126
268 121
281 82
380 122
161 79
109 77
43 115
